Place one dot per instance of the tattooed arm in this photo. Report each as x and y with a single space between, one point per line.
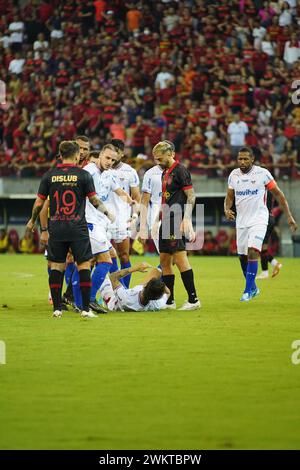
37 207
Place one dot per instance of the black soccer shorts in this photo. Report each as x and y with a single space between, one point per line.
58 250
170 244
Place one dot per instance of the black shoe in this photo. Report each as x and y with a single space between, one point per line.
97 308
69 300
64 306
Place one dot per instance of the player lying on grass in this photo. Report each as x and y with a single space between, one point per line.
151 295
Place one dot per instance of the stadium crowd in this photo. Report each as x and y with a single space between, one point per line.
208 75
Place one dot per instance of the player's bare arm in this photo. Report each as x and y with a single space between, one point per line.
281 199
145 200
37 207
44 223
139 267
135 194
228 203
101 207
124 196
186 226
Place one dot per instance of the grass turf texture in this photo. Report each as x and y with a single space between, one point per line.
217 378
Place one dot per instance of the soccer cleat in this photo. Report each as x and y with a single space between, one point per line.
188 306
276 269
97 308
68 300
171 306
255 292
57 314
89 314
245 297
263 275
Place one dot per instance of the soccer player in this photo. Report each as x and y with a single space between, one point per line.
178 200
248 185
67 187
265 257
106 184
84 146
119 230
150 295
150 202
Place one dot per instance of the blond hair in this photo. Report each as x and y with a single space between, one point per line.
109 147
163 147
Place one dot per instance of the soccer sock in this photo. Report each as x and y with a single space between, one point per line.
169 280
264 258
85 287
69 271
114 266
244 263
98 276
126 279
188 282
56 279
76 288
250 276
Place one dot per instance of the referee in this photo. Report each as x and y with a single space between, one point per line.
178 200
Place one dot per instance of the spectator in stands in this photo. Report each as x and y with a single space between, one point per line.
16 65
292 50
237 131
3 241
16 29
27 243
180 66
41 48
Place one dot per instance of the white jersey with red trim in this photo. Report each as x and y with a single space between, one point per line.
127 178
250 190
152 185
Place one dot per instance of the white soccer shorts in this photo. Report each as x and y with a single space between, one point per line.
250 237
119 234
98 239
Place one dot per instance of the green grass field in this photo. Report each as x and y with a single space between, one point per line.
217 378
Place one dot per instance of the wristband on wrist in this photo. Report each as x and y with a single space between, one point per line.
45 229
